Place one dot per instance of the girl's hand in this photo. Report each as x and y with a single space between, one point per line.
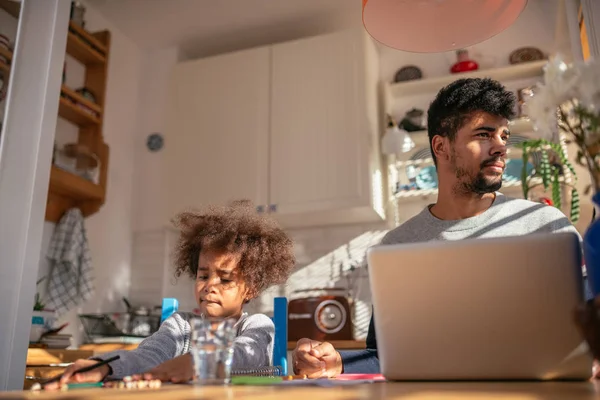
179 369
95 375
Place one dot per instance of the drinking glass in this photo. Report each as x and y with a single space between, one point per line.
212 349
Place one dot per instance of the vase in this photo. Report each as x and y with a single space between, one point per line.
463 63
591 248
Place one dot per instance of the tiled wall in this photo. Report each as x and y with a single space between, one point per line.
327 256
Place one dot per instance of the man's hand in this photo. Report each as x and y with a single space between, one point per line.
316 359
179 369
588 323
95 375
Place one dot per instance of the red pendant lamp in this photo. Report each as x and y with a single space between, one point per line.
431 26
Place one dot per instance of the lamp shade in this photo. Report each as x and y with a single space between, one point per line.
396 141
430 26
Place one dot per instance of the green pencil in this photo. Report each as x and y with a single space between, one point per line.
255 380
84 385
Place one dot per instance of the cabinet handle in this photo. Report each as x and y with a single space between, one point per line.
272 207
260 209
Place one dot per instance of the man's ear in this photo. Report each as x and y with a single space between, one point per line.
440 146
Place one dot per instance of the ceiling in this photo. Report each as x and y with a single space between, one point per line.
205 27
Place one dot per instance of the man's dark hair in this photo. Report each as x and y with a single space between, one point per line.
455 103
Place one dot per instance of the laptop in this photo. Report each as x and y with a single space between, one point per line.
479 309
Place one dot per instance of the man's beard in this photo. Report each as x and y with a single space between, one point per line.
479 184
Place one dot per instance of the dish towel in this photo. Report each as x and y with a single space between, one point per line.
71 279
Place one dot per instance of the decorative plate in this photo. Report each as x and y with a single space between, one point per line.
155 142
526 54
408 73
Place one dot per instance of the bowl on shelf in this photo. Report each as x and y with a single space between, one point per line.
79 160
427 178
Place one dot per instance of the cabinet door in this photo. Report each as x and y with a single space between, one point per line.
218 131
319 144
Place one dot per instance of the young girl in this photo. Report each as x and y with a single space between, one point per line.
233 254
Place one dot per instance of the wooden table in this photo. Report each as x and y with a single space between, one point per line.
381 390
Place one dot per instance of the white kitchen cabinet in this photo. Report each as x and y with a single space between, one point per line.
293 127
324 164
216 147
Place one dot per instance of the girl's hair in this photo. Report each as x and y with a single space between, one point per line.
265 251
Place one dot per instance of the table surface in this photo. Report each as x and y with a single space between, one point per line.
379 390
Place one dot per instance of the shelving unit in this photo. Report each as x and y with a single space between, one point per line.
512 72
66 189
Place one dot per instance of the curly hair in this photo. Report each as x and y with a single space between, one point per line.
266 252
455 103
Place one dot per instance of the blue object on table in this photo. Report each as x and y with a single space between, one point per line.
169 307
591 249
427 178
513 169
280 320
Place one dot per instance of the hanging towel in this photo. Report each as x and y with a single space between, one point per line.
71 280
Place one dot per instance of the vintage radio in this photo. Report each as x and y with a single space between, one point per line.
322 316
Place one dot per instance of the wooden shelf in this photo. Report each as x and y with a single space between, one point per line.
75 187
80 99
432 85
4 67
90 53
71 112
6 53
11 7
65 189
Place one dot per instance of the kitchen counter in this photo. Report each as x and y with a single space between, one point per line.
46 363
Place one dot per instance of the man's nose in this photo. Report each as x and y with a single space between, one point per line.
498 147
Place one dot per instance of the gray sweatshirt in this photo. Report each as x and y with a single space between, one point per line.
253 346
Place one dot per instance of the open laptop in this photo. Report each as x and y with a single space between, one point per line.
479 309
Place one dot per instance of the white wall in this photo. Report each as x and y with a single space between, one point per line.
109 230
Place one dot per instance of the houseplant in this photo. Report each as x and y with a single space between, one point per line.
569 99
551 164
41 319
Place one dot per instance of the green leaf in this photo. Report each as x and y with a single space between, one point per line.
574 206
524 184
558 149
545 169
556 190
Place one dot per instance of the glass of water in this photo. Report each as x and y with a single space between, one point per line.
212 349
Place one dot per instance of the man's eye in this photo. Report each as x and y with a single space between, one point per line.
202 277
483 134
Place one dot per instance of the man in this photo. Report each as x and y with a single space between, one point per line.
468 134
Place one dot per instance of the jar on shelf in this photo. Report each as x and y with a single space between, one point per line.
463 63
79 160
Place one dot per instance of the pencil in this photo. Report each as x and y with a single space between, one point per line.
84 369
84 385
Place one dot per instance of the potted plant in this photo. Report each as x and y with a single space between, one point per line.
551 164
569 98
41 318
